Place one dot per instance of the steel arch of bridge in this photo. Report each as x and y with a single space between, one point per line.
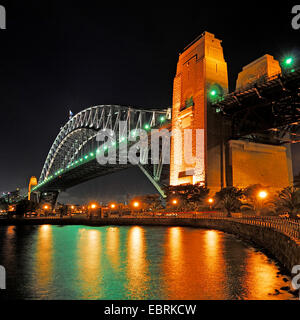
72 155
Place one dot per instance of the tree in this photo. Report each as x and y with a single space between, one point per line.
63 210
25 206
297 181
288 200
253 201
3 204
229 199
150 202
189 196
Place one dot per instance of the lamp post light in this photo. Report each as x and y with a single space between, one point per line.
210 201
92 208
135 205
113 206
262 195
175 203
46 207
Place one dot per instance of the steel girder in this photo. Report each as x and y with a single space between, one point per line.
267 112
77 140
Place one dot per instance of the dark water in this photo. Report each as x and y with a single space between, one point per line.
78 262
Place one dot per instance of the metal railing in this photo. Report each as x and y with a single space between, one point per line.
287 226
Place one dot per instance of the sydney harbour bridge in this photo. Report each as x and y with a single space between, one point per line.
266 112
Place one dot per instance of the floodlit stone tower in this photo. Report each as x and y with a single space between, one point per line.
217 160
201 74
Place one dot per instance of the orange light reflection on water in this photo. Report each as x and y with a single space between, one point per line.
89 263
44 257
137 265
113 246
260 279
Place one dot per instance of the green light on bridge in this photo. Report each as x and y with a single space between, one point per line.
288 61
213 93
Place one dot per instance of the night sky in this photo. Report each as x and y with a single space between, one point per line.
58 56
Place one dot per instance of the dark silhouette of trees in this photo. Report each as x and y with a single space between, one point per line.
3 204
189 196
288 201
297 181
229 199
25 206
150 202
63 210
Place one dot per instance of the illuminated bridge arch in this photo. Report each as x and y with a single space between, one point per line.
72 157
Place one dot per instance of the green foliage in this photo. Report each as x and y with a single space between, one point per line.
229 199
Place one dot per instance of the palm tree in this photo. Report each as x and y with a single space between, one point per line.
297 181
229 199
288 200
253 202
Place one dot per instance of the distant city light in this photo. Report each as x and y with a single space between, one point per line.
93 206
174 201
210 200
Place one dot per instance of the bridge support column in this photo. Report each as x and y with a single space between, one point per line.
49 197
201 75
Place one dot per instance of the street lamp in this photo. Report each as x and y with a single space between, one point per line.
113 206
174 201
136 204
262 194
210 201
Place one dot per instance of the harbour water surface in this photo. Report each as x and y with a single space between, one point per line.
133 262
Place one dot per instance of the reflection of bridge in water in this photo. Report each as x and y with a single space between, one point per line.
260 118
